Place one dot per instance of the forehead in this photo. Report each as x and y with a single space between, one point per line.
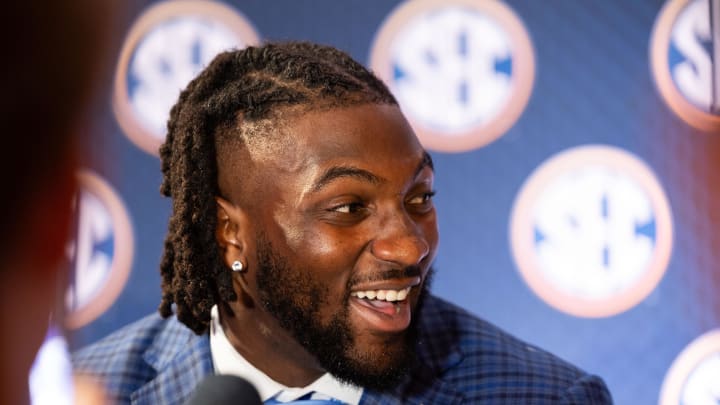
376 135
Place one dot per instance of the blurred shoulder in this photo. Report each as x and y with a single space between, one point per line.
127 358
130 340
487 362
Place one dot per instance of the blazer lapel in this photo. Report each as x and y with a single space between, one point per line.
181 363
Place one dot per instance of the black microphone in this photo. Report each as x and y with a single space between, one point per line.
224 390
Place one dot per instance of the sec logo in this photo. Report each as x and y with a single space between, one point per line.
591 231
166 47
462 70
681 55
693 376
101 252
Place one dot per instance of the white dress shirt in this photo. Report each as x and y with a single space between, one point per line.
226 360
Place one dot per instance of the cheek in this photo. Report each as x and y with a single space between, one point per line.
322 244
329 253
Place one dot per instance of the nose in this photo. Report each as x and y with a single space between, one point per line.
401 241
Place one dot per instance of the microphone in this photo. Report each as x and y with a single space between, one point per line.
224 390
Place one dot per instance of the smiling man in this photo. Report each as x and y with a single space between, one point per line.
299 253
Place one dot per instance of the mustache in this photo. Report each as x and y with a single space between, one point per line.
390 274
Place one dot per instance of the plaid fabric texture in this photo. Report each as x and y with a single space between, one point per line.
461 360
465 360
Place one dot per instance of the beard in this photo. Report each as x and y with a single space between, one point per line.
295 299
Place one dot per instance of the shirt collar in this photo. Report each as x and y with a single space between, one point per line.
226 360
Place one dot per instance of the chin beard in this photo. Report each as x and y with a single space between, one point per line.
295 298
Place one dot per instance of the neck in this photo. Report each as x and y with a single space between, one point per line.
267 346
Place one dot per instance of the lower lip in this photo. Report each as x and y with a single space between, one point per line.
384 316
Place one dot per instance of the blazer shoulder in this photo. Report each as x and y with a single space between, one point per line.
129 357
486 362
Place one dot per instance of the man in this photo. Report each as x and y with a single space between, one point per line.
53 56
299 253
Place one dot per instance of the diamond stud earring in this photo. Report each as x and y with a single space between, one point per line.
237 266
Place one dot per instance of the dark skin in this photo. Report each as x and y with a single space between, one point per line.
345 198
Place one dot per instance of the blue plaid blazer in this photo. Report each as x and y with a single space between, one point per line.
463 360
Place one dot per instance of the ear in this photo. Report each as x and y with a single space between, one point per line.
232 231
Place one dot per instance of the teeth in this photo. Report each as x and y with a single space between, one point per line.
383 295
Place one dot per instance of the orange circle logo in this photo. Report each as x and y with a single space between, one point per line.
101 252
591 231
693 376
681 59
462 70
166 48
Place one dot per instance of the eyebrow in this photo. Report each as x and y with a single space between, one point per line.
345 171
337 172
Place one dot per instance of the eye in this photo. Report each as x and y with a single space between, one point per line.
421 203
348 208
346 213
422 199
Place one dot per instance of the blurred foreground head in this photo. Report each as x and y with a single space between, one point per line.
55 54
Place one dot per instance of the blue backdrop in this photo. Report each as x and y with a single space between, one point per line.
576 147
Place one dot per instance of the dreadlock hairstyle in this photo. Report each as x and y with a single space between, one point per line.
237 88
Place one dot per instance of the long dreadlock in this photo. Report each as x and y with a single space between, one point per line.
237 88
